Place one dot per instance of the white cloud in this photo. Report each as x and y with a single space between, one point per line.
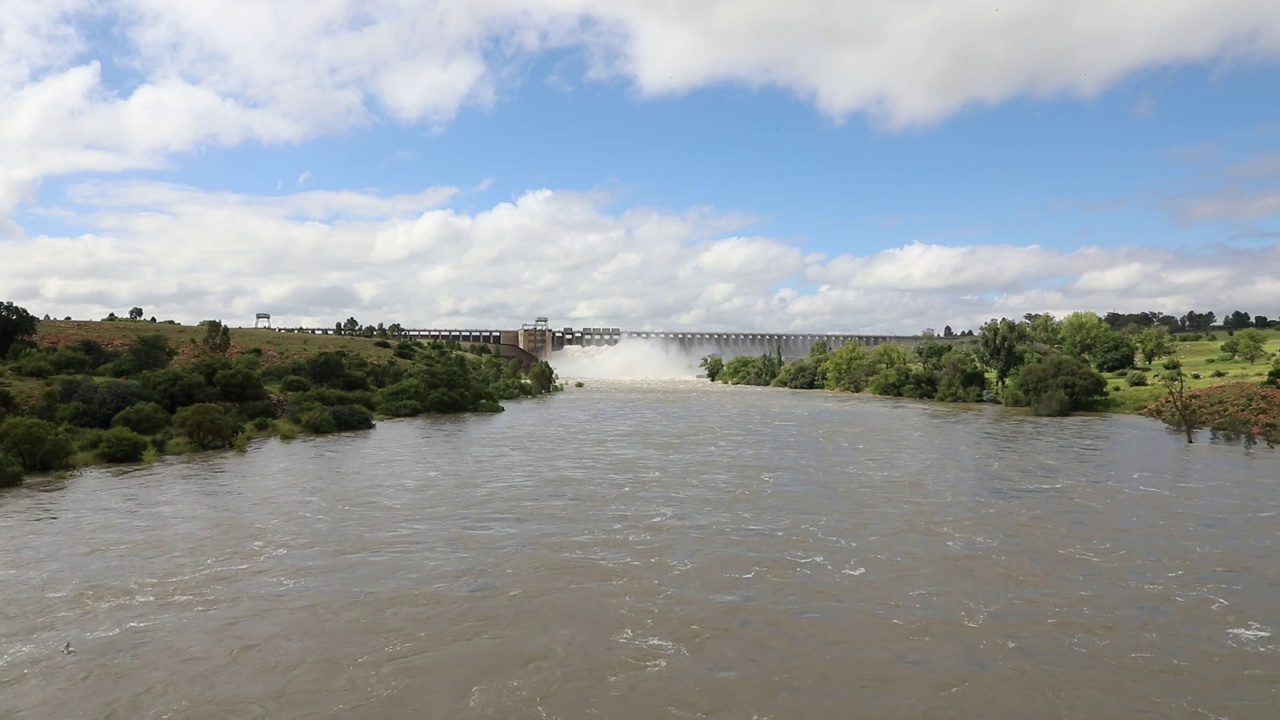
205 73
303 177
315 257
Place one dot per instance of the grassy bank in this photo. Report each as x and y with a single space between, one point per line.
1204 364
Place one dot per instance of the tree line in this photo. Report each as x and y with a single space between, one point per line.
1053 366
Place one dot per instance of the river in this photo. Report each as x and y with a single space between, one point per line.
646 549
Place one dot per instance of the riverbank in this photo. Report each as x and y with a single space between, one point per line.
85 393
1232 390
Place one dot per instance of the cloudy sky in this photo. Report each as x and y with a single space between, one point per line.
880 166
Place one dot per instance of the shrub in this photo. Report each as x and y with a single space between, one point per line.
317 420
382 344
259 409
1078 383
488 406
85 439
34 364
1053 403
120 444
1136 378
38 444
173 388
1218 373
295 383
10 471
147 418
239 384
400 408
207 426
150 352
351 417
111 399
261 423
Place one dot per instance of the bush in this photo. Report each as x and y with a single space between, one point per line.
174 388
261 423
207 426
1136 378
382 344
1053 403
120 444
10 471
351 417
1218 373
38 444
34 364
400 408
259 409
295 383
147 418
150 352
239 384
1039 382
317 420
489 406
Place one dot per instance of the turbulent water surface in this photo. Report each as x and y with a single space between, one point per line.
658 549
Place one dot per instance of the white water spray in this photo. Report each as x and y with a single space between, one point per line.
630 359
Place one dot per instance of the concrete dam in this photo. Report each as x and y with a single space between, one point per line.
537 341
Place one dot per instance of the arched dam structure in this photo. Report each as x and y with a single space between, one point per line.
541 343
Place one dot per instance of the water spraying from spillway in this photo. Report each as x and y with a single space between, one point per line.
631 359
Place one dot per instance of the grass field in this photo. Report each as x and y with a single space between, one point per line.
186 339
1202 357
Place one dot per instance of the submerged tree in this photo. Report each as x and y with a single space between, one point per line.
1175 381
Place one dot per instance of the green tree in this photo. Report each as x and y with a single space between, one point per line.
1251 345
217 337
961 380
15 324
150 352
1154 343
1058 384
543 376
135 313
819 349
207 426
120 444
239 384
1114 352
714 365
1082 333
799 374
1043 329
1001 347
848 368
10 471
37 444
147 418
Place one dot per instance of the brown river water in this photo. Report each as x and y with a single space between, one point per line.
662 549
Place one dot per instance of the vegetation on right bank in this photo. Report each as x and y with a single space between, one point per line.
1224 379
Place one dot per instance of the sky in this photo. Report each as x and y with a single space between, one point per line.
881 166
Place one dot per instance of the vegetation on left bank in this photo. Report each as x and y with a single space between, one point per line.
80 393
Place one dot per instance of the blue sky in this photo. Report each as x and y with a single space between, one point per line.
483 163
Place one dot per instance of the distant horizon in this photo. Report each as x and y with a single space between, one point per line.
490 327
693 165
